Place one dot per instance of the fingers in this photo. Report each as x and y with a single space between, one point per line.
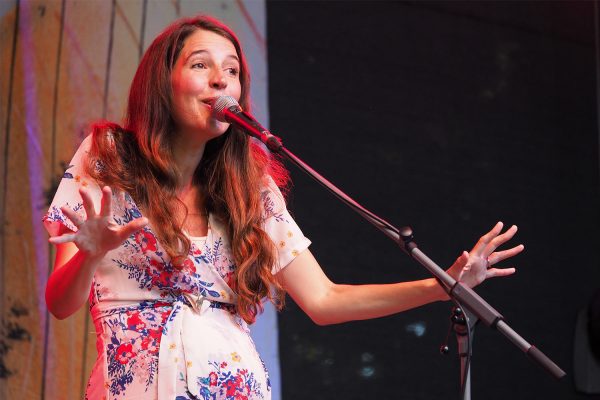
498 256
106 207
462 260
487 238
497 272
478 266
460 265
72 215
500 239
133 227
67 237
88 203
489 242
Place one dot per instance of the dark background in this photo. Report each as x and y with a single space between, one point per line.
446 116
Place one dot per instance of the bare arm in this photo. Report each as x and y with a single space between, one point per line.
328 303
69 285
78 254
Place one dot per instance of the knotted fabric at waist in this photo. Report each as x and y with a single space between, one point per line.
104 309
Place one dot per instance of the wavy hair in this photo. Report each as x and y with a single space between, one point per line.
230 175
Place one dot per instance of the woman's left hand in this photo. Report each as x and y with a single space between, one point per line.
474 267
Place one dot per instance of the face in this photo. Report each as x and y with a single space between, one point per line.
207 67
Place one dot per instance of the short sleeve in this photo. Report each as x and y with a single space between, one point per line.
281 227
67 193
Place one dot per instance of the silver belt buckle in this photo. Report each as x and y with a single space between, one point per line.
198 303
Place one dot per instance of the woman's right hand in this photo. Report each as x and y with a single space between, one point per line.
97 233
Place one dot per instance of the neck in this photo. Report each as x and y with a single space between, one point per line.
187 157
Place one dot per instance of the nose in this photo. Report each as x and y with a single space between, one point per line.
217 80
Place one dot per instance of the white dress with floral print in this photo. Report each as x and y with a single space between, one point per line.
166 333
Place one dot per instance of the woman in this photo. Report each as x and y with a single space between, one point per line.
177 261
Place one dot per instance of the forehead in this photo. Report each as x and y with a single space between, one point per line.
209 41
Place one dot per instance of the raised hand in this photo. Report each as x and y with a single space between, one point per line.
97 233
472 268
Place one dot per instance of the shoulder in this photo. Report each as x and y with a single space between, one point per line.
272 198
102 135
107 136
76 167
112 145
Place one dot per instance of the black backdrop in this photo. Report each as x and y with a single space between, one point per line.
446 116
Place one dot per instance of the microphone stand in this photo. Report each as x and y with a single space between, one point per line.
472 307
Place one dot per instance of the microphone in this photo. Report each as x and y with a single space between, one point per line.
227 109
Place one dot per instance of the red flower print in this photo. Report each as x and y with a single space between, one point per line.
150 344
165 278
213 378
155 264
135 322
188 265
125 353
146 341
162 280
146 240
239 383
230 386
155 333
165 315
228 278
196 252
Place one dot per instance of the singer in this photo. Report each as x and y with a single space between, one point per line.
174 227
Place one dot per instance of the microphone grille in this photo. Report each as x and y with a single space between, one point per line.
222 103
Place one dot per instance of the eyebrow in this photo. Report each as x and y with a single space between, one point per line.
193 53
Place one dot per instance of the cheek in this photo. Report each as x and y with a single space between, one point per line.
235 91
188 88
185 85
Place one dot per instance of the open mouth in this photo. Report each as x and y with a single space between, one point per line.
210 101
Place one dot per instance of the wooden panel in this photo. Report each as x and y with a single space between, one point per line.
8 22
81 78
7 28
159 14
124 59
26 249
7 32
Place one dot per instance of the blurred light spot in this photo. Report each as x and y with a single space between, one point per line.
328 361
366 357
418 328
366 372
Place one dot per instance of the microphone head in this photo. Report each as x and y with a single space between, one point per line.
221 104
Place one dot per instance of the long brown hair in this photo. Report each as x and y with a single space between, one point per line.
230 175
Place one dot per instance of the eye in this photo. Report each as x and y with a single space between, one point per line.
199 65
233 71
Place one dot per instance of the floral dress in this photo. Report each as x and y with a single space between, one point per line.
171 333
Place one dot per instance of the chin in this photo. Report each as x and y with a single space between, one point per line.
217 128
